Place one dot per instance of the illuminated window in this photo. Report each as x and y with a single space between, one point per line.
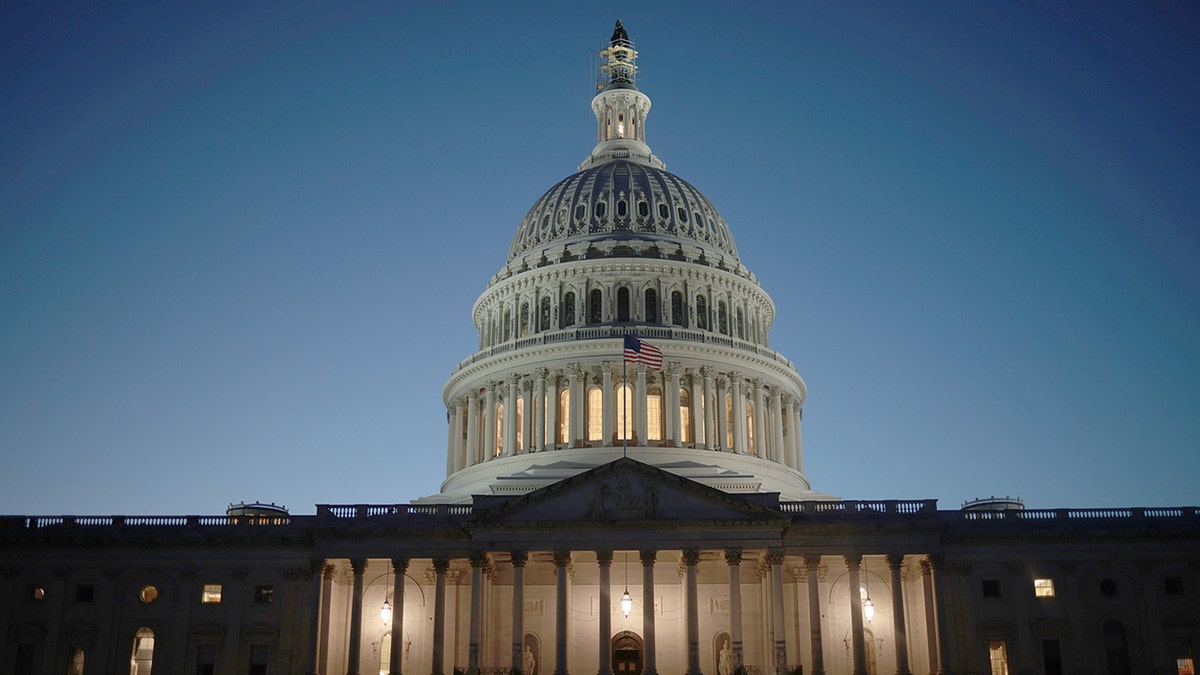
211 595
499 428
750 429
564 416
141 661
685 416
385 654
624 412
520 422
998 655
148 594
1043 588
264 594
654 415
595 414
77 660
35 593
728 421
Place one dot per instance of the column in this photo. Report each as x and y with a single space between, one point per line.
319 605
473 428
775 559
510 415
518 609
799 439
690 559
604 639
709 413
670 411
648 665
777 451
930 615
539 411
575 426
722 422
561 560
488 428
399 567
529 411
673 413
739 414
789 414
853 563
451 446
761 433
812 563
639 407
478 560
894 561
461 457
440 565
609 418
733 556
551 435
696 391
359 565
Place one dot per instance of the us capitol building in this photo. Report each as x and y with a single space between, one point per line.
608 517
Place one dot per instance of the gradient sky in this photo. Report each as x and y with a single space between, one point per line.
239 242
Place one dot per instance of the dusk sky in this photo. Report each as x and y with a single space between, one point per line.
240 241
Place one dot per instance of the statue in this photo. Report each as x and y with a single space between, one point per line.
725 660
528 663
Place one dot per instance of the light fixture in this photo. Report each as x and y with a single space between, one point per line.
867 605
626 600
385 612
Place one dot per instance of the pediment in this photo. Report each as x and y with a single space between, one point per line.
626 491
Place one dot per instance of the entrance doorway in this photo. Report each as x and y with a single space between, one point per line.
627 653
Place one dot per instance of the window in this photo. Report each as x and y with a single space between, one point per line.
568 310
148 594
544 315
998 655
750 429
651 306
206 659
142 659
991 588
524 320
722 319
1108 587
623 304
264 594
601 209
564 420
701 313
624 412
580 211
76 661
595 414
663 211
34 593
258 659
1173 585
211 595
677 308
728 421
595 307
1043 588
520 423
1180 647
681 213
654 415
499 428
685 416
643 209
385 654
507 325
1052 657
85 593
622 208
741 327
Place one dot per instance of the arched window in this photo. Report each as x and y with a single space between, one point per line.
600 209
728 421
568 310
750 429
654 414
142 659
1116 648
520 422
677 308
595 414
624 412
701 313
499 429
741 326
622 208
623 304
544 318
507 325
685 416
595 307
524 319
722 319
643 209
664 211
651 306
564 416
385 654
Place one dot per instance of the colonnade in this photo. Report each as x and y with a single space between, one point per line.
607 404
774 627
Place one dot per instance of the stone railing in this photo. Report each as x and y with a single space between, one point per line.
1136 513
402 511
872 507
39 522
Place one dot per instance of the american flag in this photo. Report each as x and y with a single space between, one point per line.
638 351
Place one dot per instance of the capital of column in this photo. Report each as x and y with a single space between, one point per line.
519 558
490 387
399 566
895 560
706 371
812 561
464 400
477 559
853 561
542 373
316 566
359 565
441 565
774 556
733 556
514 378
647 557
574 370
930 563
641 369
604 558
562 558
691 556
473 396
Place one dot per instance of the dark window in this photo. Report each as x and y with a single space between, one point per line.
677 308
524 320
1173 585
24 662
643 209
544 322
1116 649
1108 587
1052 657
206 659
580 212
258 659
679 211
663 211
507 325
741 326
722 319
701 313
264 594
601 209
651 306
595 309
991 588
622 304
85 593
622 208
568 310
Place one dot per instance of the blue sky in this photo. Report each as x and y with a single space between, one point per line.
239 242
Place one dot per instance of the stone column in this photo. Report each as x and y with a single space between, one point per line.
931 630
733 556
789 444
777 450
853 563
551 435
775 559
473 429
488 428
648 660
518 609
528 412
710 426
604 639
510 415
719 410
894 562
399 568
739 415
670 412
676 404
440 565
641 428
451 440
359 565
577 381
478 560
696 419
799 439
812 563
609 418
761 433
539 411
690 559
319 606
561 560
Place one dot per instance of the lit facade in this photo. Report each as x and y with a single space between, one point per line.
576 481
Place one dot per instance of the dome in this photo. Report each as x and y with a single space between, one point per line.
622 201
